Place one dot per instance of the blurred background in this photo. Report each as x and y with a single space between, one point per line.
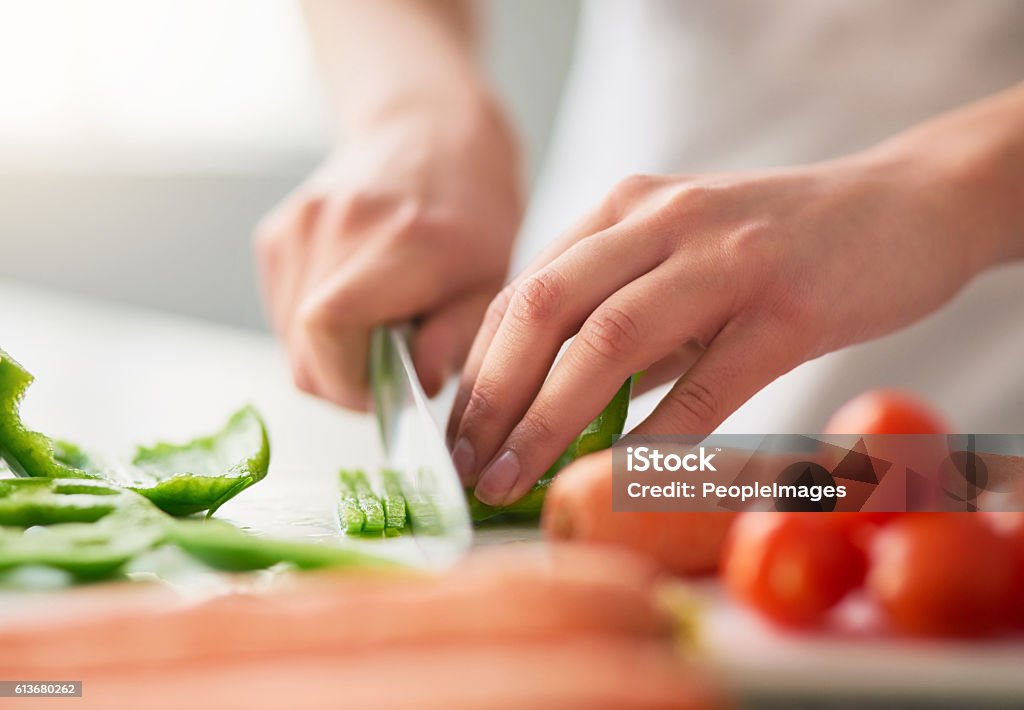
140 142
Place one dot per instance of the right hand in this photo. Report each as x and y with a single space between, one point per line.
412 219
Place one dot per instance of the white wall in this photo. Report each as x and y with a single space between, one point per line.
139 142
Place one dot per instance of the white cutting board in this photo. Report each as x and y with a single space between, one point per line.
113 376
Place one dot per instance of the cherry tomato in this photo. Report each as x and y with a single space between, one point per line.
883 417
861 527
1011 526
942 574
886 411
791 567
1017 595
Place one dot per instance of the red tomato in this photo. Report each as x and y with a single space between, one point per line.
861 527
791 567
883 416
1011 526
1017 595
942 574
886 411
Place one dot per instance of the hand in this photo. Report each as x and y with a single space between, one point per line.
743 276
414 219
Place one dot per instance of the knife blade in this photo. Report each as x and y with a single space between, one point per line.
415 450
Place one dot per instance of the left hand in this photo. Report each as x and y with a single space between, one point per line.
742 276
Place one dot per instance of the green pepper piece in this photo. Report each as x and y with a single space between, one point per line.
394 502
526 508
369 503
225 547
422 513
206 472
600 434
180 479
27 453
604 431
350 513
87 528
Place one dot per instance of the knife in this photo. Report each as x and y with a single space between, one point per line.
414 449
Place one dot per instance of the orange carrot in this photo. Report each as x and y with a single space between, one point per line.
579 507
599 673
521 593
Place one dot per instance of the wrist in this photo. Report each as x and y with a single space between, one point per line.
970 162
961 193
456 108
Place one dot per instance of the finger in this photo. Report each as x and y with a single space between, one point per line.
443 339
668 368
623 335
346 222
593 223
738 363
545 310
334 322
619 203
282 242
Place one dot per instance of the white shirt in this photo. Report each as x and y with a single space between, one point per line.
663 86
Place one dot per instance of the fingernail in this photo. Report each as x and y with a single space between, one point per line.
498 479
464 458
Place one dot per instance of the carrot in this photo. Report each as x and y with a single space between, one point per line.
516 594
620 674
579 507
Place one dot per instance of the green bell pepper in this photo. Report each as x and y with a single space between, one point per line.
92 530
394 503
180 479
357 493
87 528
600 434
225 547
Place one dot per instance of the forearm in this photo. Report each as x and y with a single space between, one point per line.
973 160
384 57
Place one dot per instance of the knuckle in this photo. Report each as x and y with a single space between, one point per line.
537 426
538 299
627 191
303 382
412 219
351 209
314 317
755 240
498 307
480 407
268 243
269 235
635 184
694 403
691 196
612 334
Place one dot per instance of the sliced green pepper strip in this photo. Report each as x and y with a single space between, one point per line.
368 501
87 528
600 434
350 513
394 502
526 508
423 516
180 479
225 547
